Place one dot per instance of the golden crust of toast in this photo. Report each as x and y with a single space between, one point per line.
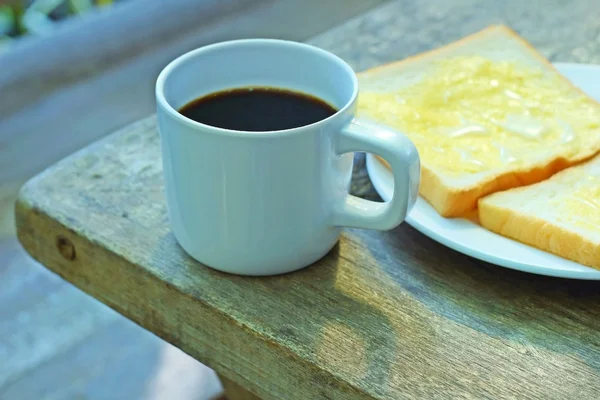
538 233
501 214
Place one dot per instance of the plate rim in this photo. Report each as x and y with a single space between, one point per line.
536 269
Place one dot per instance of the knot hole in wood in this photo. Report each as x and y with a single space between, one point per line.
65 247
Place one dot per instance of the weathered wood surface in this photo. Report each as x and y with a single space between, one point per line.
385 315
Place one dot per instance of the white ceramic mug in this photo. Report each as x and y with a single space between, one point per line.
263 203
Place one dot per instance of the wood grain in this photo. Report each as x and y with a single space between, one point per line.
384 315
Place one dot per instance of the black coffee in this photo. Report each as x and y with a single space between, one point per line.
257 109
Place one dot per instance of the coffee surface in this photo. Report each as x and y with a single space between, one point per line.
257 109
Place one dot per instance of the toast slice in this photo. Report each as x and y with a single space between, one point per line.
487 113
560 215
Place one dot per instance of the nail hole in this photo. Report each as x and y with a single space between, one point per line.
66 248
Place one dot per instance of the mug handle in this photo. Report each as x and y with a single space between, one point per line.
402 156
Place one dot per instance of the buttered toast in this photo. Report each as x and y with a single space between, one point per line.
487 113
560 215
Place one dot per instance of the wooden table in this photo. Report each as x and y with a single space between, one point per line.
384 315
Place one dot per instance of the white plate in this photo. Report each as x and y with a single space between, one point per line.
471 239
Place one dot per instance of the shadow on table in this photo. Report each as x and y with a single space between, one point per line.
354 336
304 312
560 315
342 334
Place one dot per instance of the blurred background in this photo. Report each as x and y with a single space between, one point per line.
72 71
38 17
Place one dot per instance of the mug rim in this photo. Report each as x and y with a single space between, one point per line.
169 68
